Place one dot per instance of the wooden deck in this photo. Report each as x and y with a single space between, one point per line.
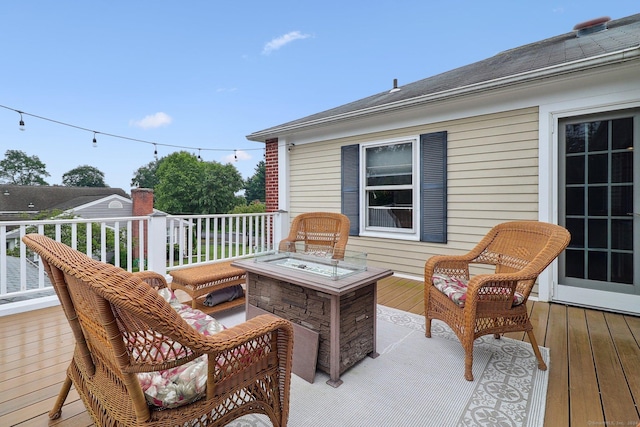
594 372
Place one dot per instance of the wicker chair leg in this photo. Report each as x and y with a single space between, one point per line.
427 327
56 411
532 338
468 365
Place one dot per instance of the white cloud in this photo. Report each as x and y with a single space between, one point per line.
152 121
278 42
236 157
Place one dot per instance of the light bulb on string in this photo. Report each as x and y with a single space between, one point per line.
199 158
21 124
95 141
155 151
235 155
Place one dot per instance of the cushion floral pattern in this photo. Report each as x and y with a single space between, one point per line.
186 383
456 289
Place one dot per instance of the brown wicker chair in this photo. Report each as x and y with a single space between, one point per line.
118 319
493 303
319 232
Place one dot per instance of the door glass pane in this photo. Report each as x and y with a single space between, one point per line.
575 170
575 138
576 228
622 234
598 237
598 198
597 266
574 263
621 200
575 201
622 267
622 134
598 168
622 166
598 136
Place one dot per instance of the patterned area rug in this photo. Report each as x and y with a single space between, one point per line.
417 381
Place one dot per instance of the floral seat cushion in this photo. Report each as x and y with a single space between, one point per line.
456 289
186 383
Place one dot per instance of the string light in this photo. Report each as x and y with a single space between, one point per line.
21 124
155 151
155 144
235 155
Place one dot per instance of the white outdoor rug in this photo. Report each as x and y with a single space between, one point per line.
419 381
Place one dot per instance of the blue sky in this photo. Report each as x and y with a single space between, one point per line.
204 74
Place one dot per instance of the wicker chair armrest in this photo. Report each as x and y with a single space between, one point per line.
496 287
153 279
245 332
246 349
450 265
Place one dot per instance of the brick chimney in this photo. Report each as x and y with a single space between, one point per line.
142 199
271 175
142 205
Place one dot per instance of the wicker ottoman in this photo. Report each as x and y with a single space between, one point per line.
198 281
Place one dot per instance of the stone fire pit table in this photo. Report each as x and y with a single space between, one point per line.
331 302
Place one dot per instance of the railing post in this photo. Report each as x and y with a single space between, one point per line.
157 243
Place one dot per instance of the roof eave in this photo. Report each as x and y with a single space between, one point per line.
525 77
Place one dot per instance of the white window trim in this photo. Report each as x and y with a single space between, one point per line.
399 234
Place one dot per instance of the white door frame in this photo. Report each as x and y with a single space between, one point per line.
549 115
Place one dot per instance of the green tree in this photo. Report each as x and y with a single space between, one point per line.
219 185
84 176
20 169
179 177
146 176
186 185
254 187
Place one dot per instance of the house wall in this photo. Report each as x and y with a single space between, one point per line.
101 209
492 177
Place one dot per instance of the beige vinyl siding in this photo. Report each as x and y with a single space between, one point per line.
492 171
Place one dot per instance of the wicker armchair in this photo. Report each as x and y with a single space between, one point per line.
123 329
492 303
318 232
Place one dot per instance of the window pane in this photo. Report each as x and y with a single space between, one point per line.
622 167
390 208
598 136
574 263
575 138
598 201
575 201
622 267
598 233
622 234
597 266
598 169
621 200
576 228
389 164
575 170
622 133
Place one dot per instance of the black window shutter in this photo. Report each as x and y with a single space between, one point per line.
433 187
350 168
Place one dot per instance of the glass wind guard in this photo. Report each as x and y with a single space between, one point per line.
320 263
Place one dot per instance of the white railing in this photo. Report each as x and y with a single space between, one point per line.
156 242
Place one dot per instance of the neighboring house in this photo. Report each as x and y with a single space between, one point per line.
23 202
548 131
